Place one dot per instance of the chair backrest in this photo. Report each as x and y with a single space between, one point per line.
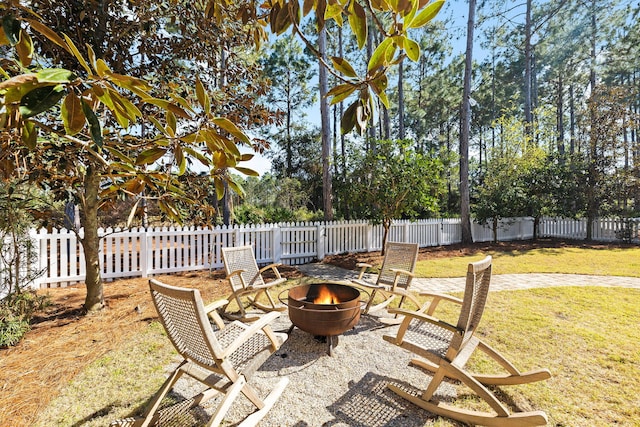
475 297
241 258
184 318
402 256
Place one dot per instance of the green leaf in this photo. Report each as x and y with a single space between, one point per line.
72 115
94 124
77 54
40 99
203 96
29 134
341 92
358 23
247 171
180 160
427 14
413 49
48 33
149 156
171 123
102 68
230 127
24 48
219 188
348 120
55 75
378 58
343 66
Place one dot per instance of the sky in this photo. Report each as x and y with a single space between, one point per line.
456 9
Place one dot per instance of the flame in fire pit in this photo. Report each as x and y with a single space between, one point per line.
326 296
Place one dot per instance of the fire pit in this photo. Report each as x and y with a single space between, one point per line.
324 309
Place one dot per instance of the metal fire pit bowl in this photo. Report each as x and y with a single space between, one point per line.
327 320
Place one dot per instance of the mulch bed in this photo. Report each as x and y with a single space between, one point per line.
64 339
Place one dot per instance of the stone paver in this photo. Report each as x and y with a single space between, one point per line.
499 282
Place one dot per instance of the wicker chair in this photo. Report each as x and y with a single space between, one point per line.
246 280
448 347
394 278
220 356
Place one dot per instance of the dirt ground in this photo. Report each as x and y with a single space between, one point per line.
63 339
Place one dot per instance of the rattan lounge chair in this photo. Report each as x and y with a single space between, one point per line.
394 278
446 349
246 280
220 356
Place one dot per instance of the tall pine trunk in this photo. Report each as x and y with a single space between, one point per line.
327 189
465 208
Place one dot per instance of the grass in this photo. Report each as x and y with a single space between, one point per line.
587 337
570 260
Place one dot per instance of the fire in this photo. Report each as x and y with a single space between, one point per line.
326 296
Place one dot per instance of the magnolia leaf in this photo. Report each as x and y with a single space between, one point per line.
203 96
11 28
94 123
427 14
348 120
77 54
116 153
334 11
48 33
283 20
246 156
16 81
307 6
180 160
273 16
183 102
236 187
40 99
413 49
55 75
345 91
383 98
102 68
343 66
72 115
171 123
29 134
219 188
379 55
132 214
92 56
24 48
230 127
247 171
157 124
149 156
358 23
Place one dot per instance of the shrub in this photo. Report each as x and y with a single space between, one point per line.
16 312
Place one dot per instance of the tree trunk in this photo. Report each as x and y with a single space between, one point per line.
528 118
401 131
560 118
465 208
386 225
91 242
327 189
592 202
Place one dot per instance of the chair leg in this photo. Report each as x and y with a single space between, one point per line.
160 394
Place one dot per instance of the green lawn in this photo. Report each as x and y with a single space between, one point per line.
607 262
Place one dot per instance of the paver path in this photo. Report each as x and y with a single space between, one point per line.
499 282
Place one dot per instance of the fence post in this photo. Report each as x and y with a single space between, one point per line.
407 231
440 232
368 237
145 253
320 240
277 243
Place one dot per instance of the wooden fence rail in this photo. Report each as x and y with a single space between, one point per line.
147 252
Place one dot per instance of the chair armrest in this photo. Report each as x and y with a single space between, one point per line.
211 310
422 317
273 267
363 266
215 305
262 323
400 272
430 308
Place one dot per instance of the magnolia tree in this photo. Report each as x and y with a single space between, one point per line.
79 128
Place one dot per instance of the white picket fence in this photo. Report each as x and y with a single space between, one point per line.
148 252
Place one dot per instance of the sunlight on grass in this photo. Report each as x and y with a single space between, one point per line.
608 262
